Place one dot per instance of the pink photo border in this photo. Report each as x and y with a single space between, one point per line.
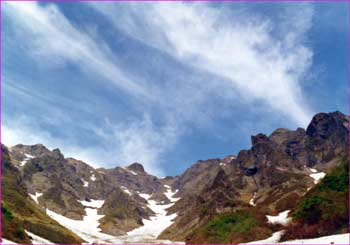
270 1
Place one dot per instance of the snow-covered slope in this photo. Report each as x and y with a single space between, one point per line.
317 176
37 239
334 239
156 224
88 227
5 241
36 196
148 233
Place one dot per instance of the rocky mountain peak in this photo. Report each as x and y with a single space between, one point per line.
261 143
325 124
35 150
137 167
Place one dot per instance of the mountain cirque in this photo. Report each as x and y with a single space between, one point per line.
223 200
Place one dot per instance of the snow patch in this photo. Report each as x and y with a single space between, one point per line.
169 194
222 164
87 228
252 201
37 239
5 241
145 196
36 196
333 239
317 177
130 171
271 240
281 218
85 183
28 156
126 190
313 170
26 159
156 224
92 203
93 177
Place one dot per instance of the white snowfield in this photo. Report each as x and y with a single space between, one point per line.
271 240
170 195
85 183
158 223
26 159
134 173
130 171
333 239
37 239
281 218
36 196
252 201
93 177
313 170
92 203
317 177
87 228
126 190
5 241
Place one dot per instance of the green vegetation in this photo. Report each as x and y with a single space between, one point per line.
337 180
324 209
6 213
328 200
234 227
224 225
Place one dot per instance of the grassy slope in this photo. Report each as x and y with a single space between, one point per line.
240 226
20 212
324 209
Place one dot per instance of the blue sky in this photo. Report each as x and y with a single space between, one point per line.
167 84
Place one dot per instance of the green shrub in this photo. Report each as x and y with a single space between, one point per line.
224 225
310 209
6 213
325 207
337 180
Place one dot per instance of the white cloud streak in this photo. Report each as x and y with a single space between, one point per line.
55 40
252 63
52 39
259 66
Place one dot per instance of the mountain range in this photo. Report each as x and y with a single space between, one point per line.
291 184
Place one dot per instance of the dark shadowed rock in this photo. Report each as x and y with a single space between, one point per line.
136 167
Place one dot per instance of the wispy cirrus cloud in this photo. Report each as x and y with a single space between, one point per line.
53 39
253 60
207 63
